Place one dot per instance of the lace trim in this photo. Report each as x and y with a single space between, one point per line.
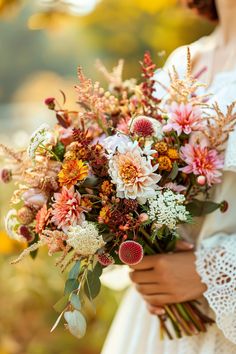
230 153
216 264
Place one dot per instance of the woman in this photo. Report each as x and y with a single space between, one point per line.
210 271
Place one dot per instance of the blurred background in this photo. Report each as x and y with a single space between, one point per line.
41 44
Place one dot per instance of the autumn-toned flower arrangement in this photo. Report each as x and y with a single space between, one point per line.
113 181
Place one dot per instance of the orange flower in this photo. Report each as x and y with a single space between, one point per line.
161 147
86 203
106 188
173 154
104 215
72 172
164 163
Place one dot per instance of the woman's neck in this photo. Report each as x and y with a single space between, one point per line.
227 27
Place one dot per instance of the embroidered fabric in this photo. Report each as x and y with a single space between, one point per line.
216 264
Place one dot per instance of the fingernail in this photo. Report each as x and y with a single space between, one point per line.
160 312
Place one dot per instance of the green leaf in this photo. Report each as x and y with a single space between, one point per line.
75 301
33 254
76 323
200 208
75 270
93 285
71 285
174 171
61 304
59 150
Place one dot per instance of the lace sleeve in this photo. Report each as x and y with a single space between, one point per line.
216 264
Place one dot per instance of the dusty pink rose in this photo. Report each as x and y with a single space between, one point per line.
67 209
35 198
202 161
184 118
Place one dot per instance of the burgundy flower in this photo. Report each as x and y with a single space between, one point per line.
50 102
130 252
105 259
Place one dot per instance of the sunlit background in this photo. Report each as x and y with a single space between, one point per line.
41 45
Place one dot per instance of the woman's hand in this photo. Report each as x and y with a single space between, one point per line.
167 278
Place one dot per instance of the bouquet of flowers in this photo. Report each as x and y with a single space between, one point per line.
113 182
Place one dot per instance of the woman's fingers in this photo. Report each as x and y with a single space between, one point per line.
156 310
158 300
182 245
143 276
149 289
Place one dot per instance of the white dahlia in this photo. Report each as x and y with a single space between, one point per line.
132 172
85 238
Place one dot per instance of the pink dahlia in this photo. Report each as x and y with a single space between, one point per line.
184 118
42 218
202 161
130 252
67 209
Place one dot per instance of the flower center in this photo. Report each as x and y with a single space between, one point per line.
128 173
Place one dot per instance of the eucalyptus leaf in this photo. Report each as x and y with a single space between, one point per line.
75 301
76 323
71 285
61 304
93 285
200 208
75 270
174 171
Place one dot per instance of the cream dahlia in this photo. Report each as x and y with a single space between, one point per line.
132 172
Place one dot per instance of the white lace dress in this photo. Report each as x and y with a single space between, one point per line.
134 330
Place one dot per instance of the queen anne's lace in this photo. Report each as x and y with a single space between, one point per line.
216 264
167 208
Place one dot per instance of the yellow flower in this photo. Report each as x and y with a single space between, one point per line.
104 215
164 163
72 172
106 188
173 154
161 147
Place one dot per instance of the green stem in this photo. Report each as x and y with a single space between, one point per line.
194 317
184 325
50 151
173 321
149 242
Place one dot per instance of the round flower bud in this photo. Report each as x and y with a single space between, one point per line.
224 206
201 180
130 252
26 233
25 215
50 102
5 175
105 259
143 217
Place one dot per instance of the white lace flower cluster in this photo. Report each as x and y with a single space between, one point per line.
85 238
167 208
42 136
